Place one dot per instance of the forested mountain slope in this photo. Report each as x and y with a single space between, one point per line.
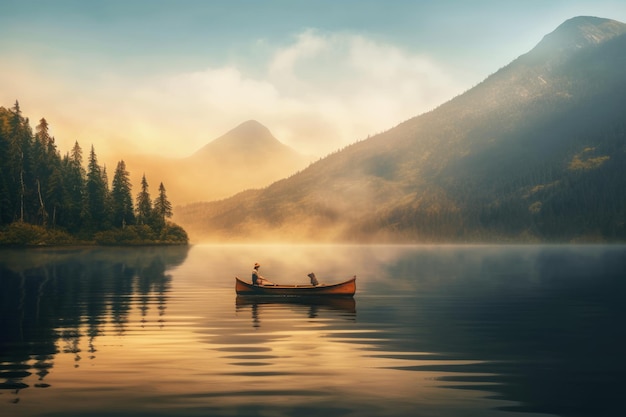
537 151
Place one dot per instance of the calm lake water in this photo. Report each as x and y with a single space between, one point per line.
432 331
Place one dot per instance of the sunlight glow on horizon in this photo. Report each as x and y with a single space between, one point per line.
314 111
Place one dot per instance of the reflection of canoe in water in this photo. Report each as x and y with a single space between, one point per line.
343 304
342 289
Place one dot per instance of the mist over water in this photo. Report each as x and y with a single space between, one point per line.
432 331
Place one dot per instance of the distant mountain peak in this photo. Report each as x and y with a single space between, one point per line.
247 133
249 139
576 33
249 136
251 126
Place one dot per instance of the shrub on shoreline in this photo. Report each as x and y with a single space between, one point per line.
25 234
170 234
29 235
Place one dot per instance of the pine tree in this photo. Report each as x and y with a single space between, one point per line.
94 209
46 160
76 157
74 190
121 198
5 200
6 207
108 209
144 203
162 206
55 195
43 134
18 153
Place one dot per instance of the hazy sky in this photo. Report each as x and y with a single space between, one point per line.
167 77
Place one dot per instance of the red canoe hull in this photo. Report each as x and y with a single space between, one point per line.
342 289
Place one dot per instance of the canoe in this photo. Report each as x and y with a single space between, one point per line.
342 289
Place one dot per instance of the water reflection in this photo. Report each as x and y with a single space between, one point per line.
312 307
56 300
440 331
543 326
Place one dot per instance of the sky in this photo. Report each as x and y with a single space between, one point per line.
165 77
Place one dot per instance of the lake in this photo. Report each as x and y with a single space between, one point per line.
432 331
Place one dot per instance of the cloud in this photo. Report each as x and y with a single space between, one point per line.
318 93
354 85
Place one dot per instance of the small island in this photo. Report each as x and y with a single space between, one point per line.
48 200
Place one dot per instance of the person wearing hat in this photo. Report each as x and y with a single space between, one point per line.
257 279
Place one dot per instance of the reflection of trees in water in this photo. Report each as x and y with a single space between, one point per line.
146 285
53 300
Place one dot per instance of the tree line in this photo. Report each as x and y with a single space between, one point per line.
43 192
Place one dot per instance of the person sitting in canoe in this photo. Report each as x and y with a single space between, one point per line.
258 279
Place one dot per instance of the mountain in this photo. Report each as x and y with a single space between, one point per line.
248 140
536 152
248 156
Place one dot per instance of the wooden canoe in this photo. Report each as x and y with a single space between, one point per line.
342 289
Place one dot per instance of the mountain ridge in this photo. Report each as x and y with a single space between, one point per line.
579 32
